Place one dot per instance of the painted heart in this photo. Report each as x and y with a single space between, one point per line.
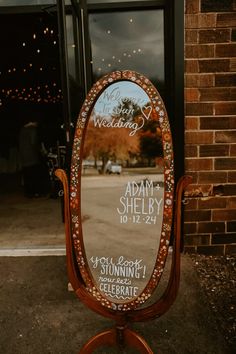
146 111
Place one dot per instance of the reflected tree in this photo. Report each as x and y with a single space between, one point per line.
151 140
105 144
127 108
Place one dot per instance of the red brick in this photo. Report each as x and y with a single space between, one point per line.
197 215
197 240
225 50
223 215
190 249
191 123
231 226
231 203
217 94
190 151
191 95
217 5
207 20
198 164
226 20
210 250
190 203
196 109
218 123
191 66
200 80
191 21
225 163
214 150
212 203
214 36
232 64
224 238
192 6
191 36
228 108
226 136
225 80
213 65
190 227
232 176
230 249
212 177
199 51
204 227
233 150
198 138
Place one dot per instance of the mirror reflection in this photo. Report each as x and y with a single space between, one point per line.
122 191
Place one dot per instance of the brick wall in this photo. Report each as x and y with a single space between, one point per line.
210 126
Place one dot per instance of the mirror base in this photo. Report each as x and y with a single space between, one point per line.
120 337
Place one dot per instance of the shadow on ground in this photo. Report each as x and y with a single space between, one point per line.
38 315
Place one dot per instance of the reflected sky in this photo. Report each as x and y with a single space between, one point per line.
114 94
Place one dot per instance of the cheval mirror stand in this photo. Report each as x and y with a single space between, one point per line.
121 207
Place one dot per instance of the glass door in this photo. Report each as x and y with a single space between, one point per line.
100 36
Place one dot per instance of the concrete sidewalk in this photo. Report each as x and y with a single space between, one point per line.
38 315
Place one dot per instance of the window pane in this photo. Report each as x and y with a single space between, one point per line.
108 1
130 40
26 2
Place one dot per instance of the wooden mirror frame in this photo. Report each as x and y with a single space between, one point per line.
78 271
158 111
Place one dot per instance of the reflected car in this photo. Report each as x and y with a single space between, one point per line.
114 168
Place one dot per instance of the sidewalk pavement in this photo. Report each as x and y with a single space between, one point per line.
39 315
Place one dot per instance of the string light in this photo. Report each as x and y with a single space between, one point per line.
43 93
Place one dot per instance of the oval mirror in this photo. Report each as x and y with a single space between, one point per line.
122 190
